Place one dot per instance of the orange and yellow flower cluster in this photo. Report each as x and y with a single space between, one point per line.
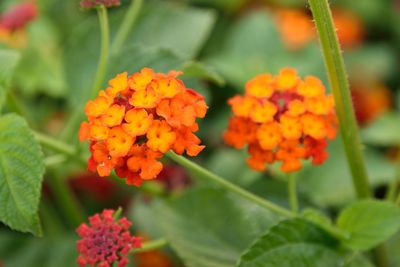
282 118
137 119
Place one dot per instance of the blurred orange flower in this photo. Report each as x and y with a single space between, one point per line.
282 118
137 119
350 29
370 101
296 27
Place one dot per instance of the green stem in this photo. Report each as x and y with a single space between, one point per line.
151 245
338 80
127 24
292 193
76 117
53 227
381 256
391 192
66 200
54 144
54 160
105 43
397 201
228 185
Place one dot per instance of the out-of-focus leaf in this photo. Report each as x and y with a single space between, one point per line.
292 243
369 222
225 5
199 70
18 250
181 29
41 67
331 183
9 59
165 36
21 174
384 131
371 62
252 46
209 227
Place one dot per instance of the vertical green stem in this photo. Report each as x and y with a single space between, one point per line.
338 80
127 24
292 193
72 125
66 200
105 43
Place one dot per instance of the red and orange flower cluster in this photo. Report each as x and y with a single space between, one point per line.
14 21
137 119
282 118
105 241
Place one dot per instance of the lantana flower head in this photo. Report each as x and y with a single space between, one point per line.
282 118
106 240
137 119
87 4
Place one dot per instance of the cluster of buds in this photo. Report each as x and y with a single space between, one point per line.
87 4
282 118
105 241
138 119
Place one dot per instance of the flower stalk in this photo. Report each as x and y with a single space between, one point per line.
338 80
292 193
150 245
77 115
127 24
228 185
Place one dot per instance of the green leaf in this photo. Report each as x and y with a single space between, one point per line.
384 131
239 59
21 250
331 184
209 227
21 174
292 243
9 59
181 29
41 68
369 222
193 69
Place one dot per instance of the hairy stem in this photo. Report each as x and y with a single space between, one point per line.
338 80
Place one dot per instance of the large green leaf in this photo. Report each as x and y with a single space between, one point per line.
292 243
21 174
208 227
331 183
384 131
9 59
369 222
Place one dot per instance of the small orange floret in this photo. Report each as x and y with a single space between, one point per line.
137 119
260 86
283 124
160 136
